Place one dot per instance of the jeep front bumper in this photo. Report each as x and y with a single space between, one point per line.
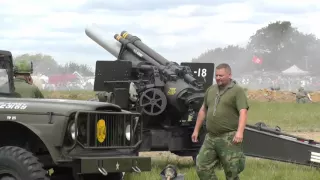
93 165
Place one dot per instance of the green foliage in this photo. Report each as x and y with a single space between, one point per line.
279 44
81 68
272 38
46 64
282 45
230 54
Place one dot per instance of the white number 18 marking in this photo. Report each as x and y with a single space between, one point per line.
202 72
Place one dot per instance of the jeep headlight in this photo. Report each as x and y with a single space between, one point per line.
72 131
127 132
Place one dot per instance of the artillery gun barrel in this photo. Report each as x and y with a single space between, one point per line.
137 51
96 35
137 42
135 54
110 45
156 56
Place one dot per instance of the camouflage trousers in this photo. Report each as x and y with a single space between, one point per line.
220 149
303 100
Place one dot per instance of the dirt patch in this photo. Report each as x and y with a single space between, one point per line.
266 95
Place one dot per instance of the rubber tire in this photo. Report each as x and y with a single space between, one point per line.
22 162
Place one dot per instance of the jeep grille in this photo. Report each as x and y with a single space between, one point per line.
115 125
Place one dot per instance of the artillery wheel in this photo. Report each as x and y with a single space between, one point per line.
153 101
19 164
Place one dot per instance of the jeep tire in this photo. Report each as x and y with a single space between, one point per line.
18 164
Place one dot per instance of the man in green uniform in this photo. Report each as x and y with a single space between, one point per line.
303 96
225 109
23 81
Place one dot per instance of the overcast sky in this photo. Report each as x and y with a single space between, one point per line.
178 29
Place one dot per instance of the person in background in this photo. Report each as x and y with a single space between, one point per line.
23 82
303 96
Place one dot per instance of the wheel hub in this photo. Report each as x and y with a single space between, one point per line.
153 101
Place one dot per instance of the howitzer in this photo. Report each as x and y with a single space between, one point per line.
184 92
169 95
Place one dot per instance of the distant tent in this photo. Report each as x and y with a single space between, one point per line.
294 70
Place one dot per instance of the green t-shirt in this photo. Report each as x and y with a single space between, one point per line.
302 94
26 90
223 108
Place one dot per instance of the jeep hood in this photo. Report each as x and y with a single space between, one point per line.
57 106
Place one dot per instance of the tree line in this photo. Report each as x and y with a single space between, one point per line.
278 46
47 65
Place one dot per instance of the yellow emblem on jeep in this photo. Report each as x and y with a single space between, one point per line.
101 130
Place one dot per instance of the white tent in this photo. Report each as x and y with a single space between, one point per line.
294 70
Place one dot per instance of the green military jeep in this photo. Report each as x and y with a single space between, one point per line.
75 139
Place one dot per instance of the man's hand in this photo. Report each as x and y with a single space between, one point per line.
238 138
200 119
30 80
194 136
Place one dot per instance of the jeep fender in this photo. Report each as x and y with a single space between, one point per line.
54 152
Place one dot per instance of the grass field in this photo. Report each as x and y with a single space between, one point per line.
256 169
293 118
289 116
